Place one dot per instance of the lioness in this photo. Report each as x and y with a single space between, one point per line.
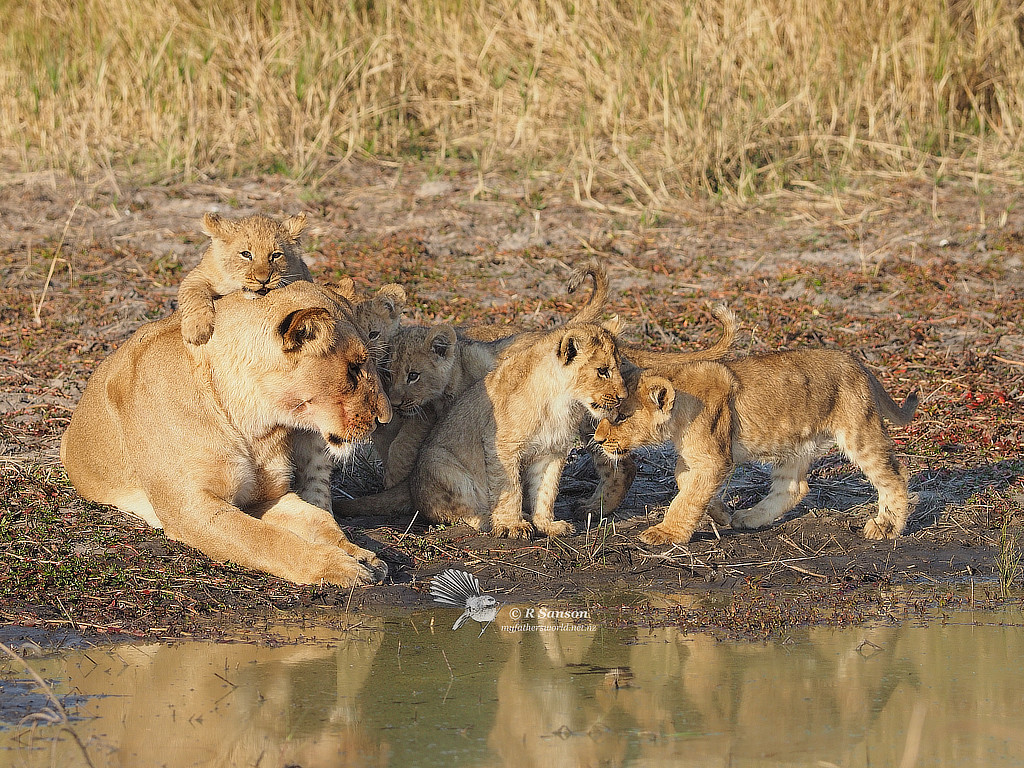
514 427
195 439
782 409
254 254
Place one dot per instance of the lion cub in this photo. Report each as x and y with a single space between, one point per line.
782 409
254 254
502 445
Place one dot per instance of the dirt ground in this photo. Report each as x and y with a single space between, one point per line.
924 283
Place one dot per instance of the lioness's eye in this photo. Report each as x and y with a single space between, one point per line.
413 376
276 255
246 255
354 369
602 372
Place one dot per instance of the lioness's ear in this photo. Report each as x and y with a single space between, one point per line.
311 329
294 225
215 226
392 296
442 340
662 393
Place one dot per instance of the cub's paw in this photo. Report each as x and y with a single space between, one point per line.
748 520
873 529
658 534
557 528
521 529
197 328
718 512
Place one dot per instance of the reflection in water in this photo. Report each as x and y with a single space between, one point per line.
401 692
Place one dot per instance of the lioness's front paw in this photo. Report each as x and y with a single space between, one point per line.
556 528
658 534
521 529
376 568
197 329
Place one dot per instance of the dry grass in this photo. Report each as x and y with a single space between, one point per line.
647 100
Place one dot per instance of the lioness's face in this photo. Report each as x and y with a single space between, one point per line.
641 418
260 253
593 355
304 354
422 360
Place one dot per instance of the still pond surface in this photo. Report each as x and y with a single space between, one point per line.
407 690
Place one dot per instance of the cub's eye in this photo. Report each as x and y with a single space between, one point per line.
246 255
276 255
374 335
602 372
412 377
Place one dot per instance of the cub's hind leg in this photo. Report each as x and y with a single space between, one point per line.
789 486
872 451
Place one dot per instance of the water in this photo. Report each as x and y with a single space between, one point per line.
408 691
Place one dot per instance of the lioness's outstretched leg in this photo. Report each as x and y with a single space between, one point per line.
225 532
872 451
789 486
542 489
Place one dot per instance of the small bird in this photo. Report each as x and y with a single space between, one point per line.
462 590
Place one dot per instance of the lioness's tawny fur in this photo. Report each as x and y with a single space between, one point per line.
196 439
782 409
254 254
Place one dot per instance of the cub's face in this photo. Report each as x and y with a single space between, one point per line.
256 253
592 356
378 316
300 350
422 361
642 418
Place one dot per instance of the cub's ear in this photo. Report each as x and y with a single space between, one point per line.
661 392
215 226
392 296
613 326
442 340
294 225
311 330
345 288
570 345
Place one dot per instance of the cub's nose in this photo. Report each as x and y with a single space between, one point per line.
601 433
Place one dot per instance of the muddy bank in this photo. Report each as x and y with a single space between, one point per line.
904 276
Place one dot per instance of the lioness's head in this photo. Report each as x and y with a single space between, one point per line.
591 354
256 251
422 361
641 418
299 356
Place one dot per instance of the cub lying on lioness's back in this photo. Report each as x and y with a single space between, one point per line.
782 409
254 254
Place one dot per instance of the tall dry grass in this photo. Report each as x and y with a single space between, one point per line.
651 99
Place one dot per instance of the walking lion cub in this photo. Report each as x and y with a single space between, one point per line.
783 409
